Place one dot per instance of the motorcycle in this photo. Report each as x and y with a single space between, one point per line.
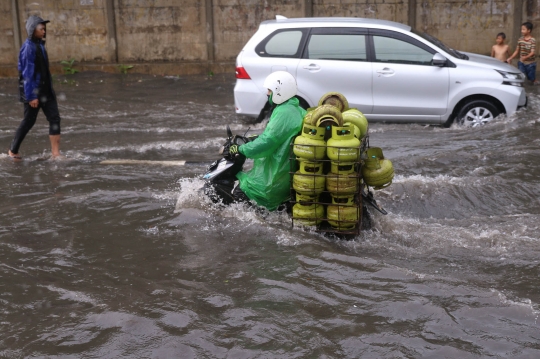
220 178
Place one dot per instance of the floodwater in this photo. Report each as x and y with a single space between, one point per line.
109 261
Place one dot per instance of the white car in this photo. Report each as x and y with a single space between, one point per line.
387 70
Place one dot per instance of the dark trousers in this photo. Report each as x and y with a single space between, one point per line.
50 109
529 70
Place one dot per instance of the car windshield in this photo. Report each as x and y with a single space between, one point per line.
440 44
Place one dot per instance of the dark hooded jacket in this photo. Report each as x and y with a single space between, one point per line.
34 75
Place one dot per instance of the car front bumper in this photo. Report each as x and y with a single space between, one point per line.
512 97
523 100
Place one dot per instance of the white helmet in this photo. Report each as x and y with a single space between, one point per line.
282 84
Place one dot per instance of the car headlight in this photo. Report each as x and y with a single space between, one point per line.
512 78
512 75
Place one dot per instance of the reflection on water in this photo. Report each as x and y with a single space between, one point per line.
129 261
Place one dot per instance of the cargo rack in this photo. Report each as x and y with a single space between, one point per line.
325 198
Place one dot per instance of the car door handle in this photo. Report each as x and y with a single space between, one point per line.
312 67
386 71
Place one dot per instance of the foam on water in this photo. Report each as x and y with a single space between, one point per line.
278 223
71 295
439 180
530 309
501 123
161 145
509 236
189 196
127 127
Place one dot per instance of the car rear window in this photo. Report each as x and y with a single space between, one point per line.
281 44
347 47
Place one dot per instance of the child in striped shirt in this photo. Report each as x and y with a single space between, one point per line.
526 49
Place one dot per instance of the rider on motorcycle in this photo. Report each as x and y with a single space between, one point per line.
268 182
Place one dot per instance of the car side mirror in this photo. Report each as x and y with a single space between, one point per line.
438 60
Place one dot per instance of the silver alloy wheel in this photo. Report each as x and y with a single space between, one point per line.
477 116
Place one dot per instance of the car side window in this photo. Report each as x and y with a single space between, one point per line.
348 47
281 44
391 50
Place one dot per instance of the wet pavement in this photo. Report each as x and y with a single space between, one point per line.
129 261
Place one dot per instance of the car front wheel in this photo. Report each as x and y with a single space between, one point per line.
476 113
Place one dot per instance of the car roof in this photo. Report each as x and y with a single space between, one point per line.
328 21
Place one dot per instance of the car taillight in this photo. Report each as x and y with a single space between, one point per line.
242 74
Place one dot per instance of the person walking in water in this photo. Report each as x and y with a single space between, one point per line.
35 88
526 49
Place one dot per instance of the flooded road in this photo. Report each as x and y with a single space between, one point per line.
128 261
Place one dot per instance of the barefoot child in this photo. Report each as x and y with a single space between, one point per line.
500 49
526 49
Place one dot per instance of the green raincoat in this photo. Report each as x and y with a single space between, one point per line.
268 182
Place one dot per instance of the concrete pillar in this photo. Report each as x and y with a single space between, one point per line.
111 29
518 20
17 39
412 13
209 5
308 6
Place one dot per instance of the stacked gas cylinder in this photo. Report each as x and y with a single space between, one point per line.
333 165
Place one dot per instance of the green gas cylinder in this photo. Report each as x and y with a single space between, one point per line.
343 168
310 144
326 115
343 213
307 118
308 215
343 146
305 199
335 99
358 119
338 184
309 179
354 129
343 178
377 171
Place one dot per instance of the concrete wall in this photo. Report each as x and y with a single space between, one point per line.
203 35
467 25
8 48
161 30
235 21
75 31
394 10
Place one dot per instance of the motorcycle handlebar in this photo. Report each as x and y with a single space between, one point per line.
235 140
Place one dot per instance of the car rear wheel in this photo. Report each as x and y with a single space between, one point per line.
476 113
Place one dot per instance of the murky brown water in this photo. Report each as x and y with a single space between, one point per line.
127 261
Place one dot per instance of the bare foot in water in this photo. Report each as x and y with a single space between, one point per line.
14 156
59 157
